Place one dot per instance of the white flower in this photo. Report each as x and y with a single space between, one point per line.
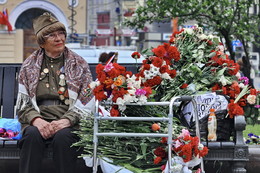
132 83
241 85
166 76
251 99
120 101
200 65
164 63
149 14
121 104
223 80
168 13
238 75
188 31
142 99
202 36
221 48
130 98
154 70
134 15
122 107
137 84
200 29
148 74
131 91
94 84
201 146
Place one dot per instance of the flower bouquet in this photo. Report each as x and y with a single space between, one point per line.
189 152
252 139
191 63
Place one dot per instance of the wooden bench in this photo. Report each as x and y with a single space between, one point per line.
234 152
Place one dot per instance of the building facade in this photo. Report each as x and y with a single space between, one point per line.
88 22
16 45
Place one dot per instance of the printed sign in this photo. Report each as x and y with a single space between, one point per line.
205 102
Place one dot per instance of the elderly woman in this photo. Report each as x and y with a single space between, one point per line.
52 98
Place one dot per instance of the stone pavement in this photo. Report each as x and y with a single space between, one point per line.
12 166
257 82
253 166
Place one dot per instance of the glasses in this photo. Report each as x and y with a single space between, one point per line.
52 36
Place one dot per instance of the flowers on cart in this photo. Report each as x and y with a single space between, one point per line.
188 147
179 166
188 153
191 63
119 86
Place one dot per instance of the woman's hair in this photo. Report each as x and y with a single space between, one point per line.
103 58
47 30
110 54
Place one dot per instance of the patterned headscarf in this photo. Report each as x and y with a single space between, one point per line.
77 72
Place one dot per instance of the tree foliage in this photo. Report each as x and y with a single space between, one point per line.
229 19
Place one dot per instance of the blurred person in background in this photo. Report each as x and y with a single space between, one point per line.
111 54
103 58
246 71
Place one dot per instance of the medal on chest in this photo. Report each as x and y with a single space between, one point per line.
63 90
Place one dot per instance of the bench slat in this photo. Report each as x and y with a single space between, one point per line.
1 87
9 92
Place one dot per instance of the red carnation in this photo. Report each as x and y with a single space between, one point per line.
157 160
164 140
164 69
159 151
157 62
172 73
136 55
148 91
99 93
159 51
114 112
184 86
253 91
153 82
234 109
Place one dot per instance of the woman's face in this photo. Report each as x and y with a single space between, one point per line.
54 44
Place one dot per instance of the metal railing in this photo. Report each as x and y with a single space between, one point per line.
173 102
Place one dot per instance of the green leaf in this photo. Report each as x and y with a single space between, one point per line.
205 81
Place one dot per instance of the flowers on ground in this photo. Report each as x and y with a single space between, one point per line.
252 139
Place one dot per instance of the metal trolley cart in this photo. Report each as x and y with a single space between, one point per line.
175 101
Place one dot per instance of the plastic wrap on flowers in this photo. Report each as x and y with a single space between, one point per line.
10 128
205 102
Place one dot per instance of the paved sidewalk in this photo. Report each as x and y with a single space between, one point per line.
257 83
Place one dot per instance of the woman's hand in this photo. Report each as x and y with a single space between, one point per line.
45 128
60 124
